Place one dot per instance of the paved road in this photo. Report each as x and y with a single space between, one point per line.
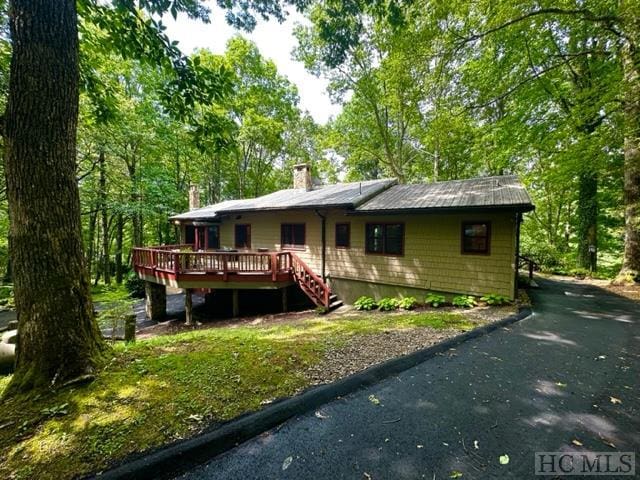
535 386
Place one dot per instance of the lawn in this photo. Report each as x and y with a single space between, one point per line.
174 386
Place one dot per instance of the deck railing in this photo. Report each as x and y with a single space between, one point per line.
227 266
178 259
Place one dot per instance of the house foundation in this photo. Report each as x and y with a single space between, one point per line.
155 301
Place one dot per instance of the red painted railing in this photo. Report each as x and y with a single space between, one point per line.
181 259
318 291
177 259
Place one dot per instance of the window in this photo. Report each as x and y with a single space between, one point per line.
343 235
476 237
189 234
213 236
243 236
384 238
292 235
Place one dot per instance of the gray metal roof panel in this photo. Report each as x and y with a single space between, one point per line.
348 195
482 192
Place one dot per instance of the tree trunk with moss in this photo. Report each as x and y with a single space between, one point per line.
58 339
587 219
631 68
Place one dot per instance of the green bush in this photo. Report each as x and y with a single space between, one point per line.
408 303
114 316
580 273
435 300
386 304
464 301
365 303
494 299
134 285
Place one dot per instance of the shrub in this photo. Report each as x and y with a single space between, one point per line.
580 273
365 303
134 285
435 300
386 304
408 303
113 317
494 299
464 301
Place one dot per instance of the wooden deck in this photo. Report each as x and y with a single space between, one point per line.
180 266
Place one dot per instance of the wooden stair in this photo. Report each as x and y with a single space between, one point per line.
312 285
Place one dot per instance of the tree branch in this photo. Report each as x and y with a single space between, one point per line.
607 20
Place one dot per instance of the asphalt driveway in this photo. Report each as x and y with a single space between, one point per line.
535 386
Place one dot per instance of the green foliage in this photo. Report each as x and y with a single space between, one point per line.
134 285
408 303
494 299
464 301
365 303
580 273
387 304
435 300
114 316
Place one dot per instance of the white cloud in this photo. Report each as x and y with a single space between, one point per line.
275 41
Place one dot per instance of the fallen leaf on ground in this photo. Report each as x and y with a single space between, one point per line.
374 400
287 463
615 400
576 442
504 459
608 443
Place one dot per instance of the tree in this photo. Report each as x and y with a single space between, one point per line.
59 341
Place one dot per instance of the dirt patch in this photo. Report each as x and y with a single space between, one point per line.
630 291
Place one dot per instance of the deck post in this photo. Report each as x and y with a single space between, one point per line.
155 304
274 267
236 303
188 306
285 299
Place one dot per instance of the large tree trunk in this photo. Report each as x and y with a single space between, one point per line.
587 219
58 339
631 67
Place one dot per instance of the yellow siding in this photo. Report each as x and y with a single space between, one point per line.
265 233
432 258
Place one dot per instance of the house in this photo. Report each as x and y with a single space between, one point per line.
338 242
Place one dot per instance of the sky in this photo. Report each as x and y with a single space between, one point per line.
275 41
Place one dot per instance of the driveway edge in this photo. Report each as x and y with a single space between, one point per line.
185 454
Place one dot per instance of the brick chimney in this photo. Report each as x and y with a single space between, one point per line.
302 177
194 197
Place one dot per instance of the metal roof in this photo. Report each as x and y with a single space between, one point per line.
346 195
475 193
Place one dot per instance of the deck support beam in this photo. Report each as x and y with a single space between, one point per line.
188 306
285 299
236 302
155 304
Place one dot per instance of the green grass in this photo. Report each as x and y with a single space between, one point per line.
173 386
109 293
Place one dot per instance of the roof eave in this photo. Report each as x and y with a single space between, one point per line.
520 208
